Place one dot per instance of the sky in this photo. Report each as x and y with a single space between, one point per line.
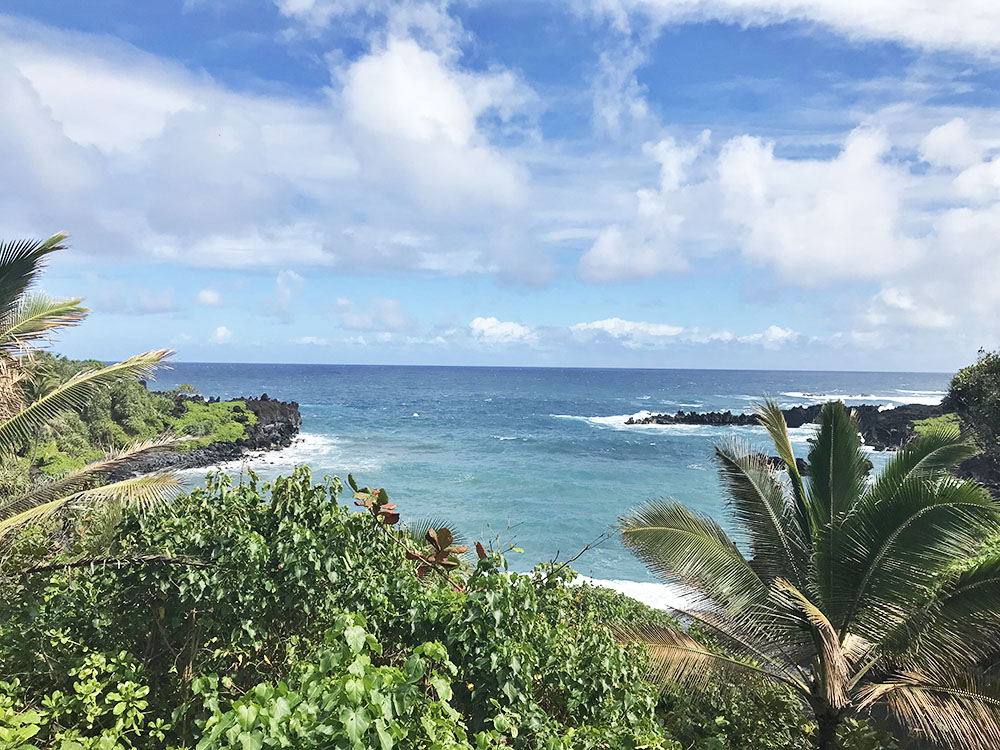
772 184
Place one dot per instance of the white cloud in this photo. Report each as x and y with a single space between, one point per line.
967 26
773 337
289 286
209 298
898 307
412 110
633 334
158 160
950 145
221 335
493 331
818 221
311 341
376 314
649 245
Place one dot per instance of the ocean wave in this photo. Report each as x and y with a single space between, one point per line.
643 398
926 398
669 402
309 449
656 595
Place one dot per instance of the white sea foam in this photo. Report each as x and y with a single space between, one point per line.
309 449
643 398
656 595
927 398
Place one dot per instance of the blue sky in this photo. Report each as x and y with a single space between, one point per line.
777 184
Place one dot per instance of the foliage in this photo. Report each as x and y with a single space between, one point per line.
32 398
974 394
129 412
934 424
858 592
311 623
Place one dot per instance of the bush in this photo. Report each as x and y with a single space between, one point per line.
309 627
974 394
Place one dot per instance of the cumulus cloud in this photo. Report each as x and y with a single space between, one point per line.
311 341
221 335
493 331
649 245
633 334
637 334
404 145
817 221
969 26
414 110
209 298
376 314
773 337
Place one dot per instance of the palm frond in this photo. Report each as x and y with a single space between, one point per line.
897 547
143 492
960 713
770 416
958 625
833 658
86 477
762 506
675 657
838 474
676 543
33 317
929 454
20 262
74 394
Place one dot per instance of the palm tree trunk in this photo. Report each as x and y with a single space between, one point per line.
826 731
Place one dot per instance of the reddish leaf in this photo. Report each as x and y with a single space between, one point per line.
480 550
422 571
444 537
415 556
432 538
457 549
390 518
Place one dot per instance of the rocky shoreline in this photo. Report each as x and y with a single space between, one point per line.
882 429
276 426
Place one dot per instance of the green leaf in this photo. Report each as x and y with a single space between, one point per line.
355 637
356 721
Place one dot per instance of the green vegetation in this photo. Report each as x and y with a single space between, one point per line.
32 402
935 424
128 413
974 394
859 593
307 625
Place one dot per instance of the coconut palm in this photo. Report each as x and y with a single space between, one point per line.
859 591
25 408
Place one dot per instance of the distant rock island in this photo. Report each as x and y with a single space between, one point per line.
882 429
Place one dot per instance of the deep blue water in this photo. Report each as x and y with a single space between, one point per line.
538 456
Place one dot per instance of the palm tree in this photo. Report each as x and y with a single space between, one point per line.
859 591
25 319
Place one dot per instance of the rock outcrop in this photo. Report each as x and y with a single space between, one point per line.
276 426
882 429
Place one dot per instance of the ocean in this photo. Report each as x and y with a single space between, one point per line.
540 458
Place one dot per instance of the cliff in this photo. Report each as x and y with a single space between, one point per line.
274 425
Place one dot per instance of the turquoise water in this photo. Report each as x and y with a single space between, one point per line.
540 457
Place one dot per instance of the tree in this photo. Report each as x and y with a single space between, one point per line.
858 592
27 406
974 394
